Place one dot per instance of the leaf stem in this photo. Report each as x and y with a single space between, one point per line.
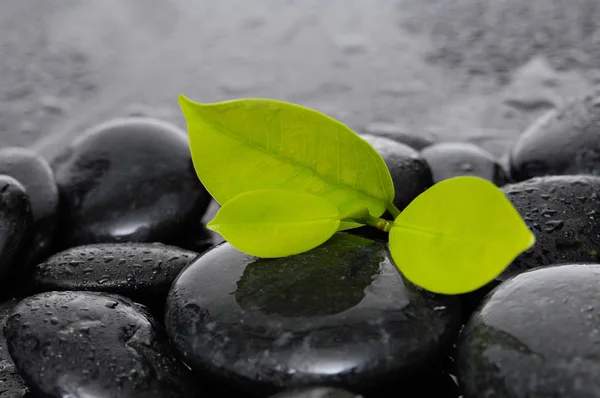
379 223
362 216
393 210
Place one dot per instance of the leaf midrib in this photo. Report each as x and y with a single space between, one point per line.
434 233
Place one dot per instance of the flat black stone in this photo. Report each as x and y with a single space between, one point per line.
410 173
339 315
12 384
34 173
89 344
414 141
561 142
316 392
535 336
141 271
129 180
16 221
453 159
563 212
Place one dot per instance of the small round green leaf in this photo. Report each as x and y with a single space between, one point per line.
457 236
275 222
250 144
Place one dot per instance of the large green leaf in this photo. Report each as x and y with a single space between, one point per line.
250 144
276 222
458 235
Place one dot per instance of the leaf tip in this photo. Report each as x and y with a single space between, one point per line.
211 225
184 103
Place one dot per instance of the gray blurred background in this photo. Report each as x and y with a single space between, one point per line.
461 70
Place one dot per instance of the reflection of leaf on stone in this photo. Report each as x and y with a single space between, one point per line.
486 334
326 280
476 355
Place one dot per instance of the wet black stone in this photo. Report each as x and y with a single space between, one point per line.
339 315
316 392
563 212
16 222
88 344
452 159
537 335
410 173
564 141
199 239
36 176
395 133
12 384
141 271
129 180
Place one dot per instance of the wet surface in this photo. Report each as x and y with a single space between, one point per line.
452 70
339 315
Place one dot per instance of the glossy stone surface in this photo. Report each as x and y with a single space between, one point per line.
89 344
398 134
563 212
12 384
316 392
410 173
141 271
338 315
563 141
452 159
535 336
129 180
36 176
16 221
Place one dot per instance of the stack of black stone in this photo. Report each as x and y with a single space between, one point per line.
112 287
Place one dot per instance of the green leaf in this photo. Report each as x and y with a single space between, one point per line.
457 236
275 222
250 144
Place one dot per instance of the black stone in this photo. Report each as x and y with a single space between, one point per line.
84 344
453 159
12 384
410 173
563 141
339 315
563 212
397 134
129 180
36 176
536 335
141 271
316 392
16 221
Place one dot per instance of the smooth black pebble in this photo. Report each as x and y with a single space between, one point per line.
397 134
141 271
536 335
565 141
12 384
453 159
410 173
36 176
316 392
129 180
563 212
339 315
89 344
16 222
